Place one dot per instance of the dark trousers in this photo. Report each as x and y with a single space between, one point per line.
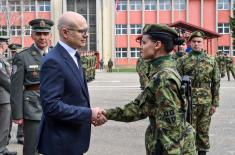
5 115
30 133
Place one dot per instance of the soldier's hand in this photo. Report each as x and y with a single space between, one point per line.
213 110
18 121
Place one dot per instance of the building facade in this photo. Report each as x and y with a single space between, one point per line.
115 24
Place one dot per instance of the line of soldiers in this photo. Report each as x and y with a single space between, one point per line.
205 82
225 63
88 60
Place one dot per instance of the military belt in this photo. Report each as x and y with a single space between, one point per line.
201 85
35 87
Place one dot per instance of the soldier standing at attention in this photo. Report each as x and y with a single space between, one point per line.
5 107
20 134
205 77
220 59
26 107
110 65
229 66
161 100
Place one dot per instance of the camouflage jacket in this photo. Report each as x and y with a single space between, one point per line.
229 61
142 68
159 100
205 75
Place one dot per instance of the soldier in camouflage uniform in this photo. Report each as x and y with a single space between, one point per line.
25 99
161 100
179 51
229 66
205 75
220 59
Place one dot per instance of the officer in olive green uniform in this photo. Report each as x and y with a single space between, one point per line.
14 48
229 66
205 75
161 100
5 107
26 107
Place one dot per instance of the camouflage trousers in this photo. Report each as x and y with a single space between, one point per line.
201 122
230 69
222 70
186 147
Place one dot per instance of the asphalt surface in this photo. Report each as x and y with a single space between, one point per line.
116 138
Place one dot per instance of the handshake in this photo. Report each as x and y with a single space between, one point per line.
98 116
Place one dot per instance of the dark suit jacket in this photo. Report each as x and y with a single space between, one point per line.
66 121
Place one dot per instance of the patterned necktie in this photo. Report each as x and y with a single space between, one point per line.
79 64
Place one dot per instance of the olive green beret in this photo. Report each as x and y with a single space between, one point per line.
14 47
41 25
159 28
197 34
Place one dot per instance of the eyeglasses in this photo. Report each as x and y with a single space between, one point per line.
83 32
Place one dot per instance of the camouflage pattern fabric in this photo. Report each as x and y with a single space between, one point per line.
205 75
160 102
229 67
177 55
142 69
220 59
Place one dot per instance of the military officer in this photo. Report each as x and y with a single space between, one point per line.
5 107
205 76
14 48
26 107
161 100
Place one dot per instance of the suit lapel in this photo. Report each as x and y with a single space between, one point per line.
70 62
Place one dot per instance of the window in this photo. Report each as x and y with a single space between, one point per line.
179 4
15 30
165 4
28 30
136 28
135 52
29 5
121 5
136 5
223 49
223 4
121 52
14 5
2 6
3 30
233 50
121 29
150 5
44 6
223 28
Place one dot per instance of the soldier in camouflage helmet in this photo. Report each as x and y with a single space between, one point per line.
205 75
161 100
26 107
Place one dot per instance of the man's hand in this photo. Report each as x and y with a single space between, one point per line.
98 117
18 121
213 110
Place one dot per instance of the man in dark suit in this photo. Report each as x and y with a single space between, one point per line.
67 116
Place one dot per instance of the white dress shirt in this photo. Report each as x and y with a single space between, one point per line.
70 50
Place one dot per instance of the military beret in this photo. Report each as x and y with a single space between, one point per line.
197 34
41 25
14 47
160 30
4 38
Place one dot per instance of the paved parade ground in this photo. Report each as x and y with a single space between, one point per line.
116 138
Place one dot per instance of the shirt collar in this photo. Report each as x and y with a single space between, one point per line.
69 49
40 50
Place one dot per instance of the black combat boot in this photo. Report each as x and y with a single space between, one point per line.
201 152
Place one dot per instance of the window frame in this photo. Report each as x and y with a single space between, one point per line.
44 5
165 3
135 5
179 3
121 28
121 5
136 51
223 27
136 28
223 4
121 51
